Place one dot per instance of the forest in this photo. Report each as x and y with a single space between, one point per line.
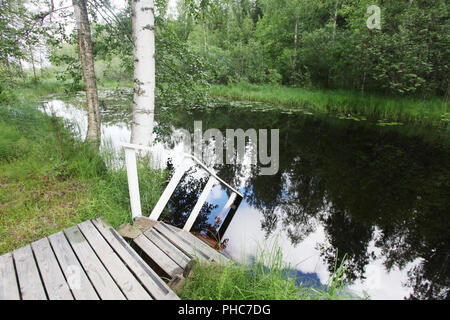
323 44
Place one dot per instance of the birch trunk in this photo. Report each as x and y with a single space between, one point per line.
32 64
294 58
205 36
41 63
7 65
334 37
22 73
144 71
363 82
447 93
335 19
87 62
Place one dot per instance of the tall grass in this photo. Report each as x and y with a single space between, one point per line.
49 180
265 277
432 111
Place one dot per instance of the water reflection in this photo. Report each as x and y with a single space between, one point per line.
378 194
184 199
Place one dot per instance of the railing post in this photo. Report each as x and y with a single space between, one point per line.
201 201
224 226
133 182
162 202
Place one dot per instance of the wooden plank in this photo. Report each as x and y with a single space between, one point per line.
201 245
169 249
99 276
30 284
158 256
149 279
118 270
181 243
77 279
52 276
198 244
200 202
9 289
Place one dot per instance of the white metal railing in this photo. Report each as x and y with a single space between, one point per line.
133 185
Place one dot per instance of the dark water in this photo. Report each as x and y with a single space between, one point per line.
378 194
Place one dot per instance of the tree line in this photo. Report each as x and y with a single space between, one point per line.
323 43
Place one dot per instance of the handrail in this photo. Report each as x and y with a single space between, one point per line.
187 155
133 185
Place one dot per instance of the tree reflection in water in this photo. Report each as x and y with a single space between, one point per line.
352 178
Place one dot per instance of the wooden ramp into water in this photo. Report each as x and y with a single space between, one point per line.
91 261
171 249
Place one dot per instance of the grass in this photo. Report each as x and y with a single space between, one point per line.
432 111
50 181
107 83
266 277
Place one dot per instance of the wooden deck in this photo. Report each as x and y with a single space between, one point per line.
172 249
90 261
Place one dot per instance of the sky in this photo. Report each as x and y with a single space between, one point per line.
122 3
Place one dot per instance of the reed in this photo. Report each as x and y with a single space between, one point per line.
264 277
433 111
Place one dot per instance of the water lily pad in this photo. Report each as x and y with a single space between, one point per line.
384 124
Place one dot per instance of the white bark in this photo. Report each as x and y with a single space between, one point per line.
144 71
32 64
335 20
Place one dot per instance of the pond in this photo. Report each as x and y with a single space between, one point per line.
378 194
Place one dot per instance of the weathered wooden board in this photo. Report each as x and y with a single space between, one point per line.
9 288
173 252
201 245
200 202
181 243
97 273
120 273
149 279
54 282
158 256
77 279
31 287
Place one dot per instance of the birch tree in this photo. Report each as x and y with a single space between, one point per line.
143 20
87 61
